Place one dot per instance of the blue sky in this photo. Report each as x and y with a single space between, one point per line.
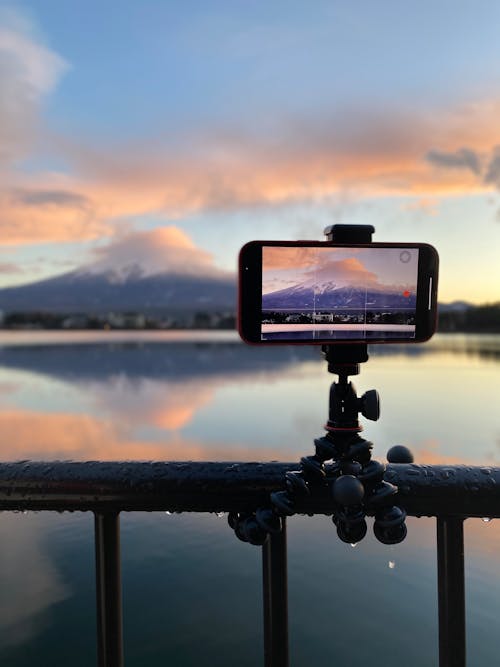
227 121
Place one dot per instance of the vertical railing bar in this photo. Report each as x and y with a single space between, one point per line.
275 595
266 596
108 590
451 591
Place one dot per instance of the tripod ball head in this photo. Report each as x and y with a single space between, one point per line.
345 405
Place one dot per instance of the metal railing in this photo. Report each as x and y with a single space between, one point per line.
449 493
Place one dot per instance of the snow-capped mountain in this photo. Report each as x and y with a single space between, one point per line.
328 295
87 291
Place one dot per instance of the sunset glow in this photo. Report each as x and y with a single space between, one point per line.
189 119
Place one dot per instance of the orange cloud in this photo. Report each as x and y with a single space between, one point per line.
368 152
315 266
126 181
71 217
152 252
272 174
349 270
276 257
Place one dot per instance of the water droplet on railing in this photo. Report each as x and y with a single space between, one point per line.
486 519
354 544
391 564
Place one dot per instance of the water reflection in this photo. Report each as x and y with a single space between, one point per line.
158 360
228 401
168 356
127 401
187 577
482 346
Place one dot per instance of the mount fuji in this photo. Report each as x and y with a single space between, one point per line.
328 294
128 288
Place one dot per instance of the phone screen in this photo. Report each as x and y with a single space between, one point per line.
338 293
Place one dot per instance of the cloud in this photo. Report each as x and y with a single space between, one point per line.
314 265
34 207
349 271
468 159
492 174
276 257
226 171
161 250
50 198
367 152
464 158
29 71
38 215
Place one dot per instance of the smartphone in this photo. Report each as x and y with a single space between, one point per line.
314 292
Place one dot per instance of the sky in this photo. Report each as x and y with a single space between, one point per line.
170 134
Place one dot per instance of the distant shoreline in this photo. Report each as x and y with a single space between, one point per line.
484 318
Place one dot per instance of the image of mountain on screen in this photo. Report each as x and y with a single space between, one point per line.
326 310
329 296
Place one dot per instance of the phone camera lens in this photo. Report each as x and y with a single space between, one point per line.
405 256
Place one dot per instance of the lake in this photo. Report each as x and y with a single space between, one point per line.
192 591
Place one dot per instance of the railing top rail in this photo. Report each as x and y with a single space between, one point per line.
187 486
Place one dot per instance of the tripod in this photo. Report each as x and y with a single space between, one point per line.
355 481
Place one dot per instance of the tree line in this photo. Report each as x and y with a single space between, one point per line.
479 319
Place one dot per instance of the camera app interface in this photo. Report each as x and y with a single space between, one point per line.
338 293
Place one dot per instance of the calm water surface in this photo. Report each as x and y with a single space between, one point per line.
192 592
